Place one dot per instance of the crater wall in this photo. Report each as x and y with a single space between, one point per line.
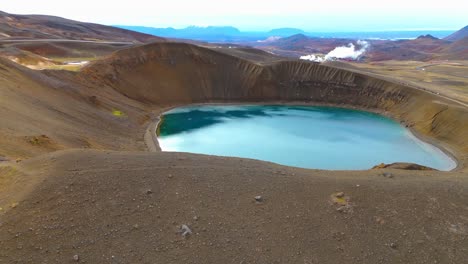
167 74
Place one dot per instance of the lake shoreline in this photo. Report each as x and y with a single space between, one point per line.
155 124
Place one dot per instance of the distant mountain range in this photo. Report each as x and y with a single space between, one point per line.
423 48
213 34
232 34
290 42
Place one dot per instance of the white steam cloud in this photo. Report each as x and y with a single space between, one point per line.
343 52
313 57
348 52
269 39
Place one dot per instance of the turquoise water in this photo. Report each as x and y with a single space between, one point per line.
301 136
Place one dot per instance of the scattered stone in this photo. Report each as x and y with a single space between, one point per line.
379 220
195 218
185 230
170 176
342 202
458 229
149 192
387 175
339 198
393 245
76 258
339 195
258 199
341 209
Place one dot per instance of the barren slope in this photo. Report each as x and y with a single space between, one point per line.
91 206
42 113
108 207
460 34
50 27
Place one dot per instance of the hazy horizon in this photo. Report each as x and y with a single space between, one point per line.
251 16
307 31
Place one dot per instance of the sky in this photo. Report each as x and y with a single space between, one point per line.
258 15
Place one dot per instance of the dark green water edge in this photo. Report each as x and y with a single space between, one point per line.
192 118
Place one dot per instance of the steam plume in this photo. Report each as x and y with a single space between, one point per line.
343 52
348 52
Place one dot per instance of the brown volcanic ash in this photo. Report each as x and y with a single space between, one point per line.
51 27
424 48
457 50
103 206
128 207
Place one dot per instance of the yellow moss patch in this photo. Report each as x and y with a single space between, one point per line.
339 198
118 113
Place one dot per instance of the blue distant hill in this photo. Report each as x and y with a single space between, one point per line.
210 34
232 34
286 32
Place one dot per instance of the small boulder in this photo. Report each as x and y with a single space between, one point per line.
185 231
342 202
339 195
387 175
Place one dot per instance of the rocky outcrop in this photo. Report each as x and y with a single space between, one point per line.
402 166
